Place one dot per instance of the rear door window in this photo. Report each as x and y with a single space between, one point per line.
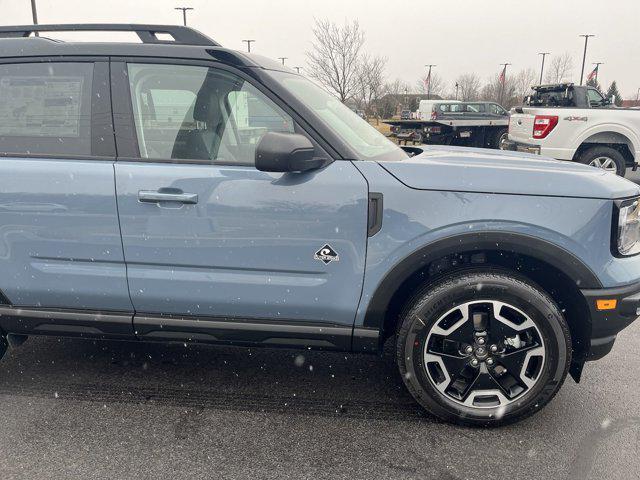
45 108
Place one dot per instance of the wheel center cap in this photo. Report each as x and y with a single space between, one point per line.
481 352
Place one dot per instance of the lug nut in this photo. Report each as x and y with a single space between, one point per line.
474 362
493 348
468 349
481 340
489 361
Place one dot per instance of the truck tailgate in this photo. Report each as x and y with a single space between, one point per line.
521 127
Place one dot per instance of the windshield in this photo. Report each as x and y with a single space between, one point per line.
364 139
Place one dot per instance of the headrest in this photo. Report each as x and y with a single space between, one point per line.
207 105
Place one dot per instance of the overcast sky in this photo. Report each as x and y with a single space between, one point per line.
458 35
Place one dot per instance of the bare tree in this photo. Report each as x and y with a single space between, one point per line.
515 87
395 94
469 86
495 90
438 85
397 87
560 69
334 57
523 81
371 72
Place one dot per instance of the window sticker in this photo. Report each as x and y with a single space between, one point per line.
41 106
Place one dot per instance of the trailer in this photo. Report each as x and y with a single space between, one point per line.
450 122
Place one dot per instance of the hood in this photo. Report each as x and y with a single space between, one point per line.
494 171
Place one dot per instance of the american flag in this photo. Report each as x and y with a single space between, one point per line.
503 75
593 74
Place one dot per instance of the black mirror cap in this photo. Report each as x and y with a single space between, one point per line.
286 152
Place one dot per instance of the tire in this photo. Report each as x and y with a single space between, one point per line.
607 158
471 395
500 137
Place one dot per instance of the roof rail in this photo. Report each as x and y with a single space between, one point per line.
147 33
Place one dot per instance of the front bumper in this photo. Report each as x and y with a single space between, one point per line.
606 324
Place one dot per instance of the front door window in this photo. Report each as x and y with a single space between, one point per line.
187 112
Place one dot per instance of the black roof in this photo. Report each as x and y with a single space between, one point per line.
188 43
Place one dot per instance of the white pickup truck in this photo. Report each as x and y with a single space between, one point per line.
577 123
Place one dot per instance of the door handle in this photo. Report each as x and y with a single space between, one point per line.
151 196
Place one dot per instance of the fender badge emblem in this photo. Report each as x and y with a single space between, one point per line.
327 255
576 119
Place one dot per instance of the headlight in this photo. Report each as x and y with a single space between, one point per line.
629 227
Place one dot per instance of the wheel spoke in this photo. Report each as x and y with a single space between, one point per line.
461 335
485 391
483 381
454 325
515 364
605 163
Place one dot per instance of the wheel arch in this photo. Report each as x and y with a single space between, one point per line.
553 268
613 137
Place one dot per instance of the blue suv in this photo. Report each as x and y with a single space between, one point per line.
175 190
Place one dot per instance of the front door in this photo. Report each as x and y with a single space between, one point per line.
207 237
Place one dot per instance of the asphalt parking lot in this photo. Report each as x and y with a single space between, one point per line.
74 408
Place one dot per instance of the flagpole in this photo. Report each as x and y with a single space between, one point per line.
596 70
430 66
584 55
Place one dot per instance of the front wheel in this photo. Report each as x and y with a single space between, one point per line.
483 348
607 158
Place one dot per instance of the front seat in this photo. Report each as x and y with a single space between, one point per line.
203 141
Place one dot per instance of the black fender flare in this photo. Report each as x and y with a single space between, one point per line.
535 247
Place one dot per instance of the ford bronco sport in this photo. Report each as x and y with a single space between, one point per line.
175 190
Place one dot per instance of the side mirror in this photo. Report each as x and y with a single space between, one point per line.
286 152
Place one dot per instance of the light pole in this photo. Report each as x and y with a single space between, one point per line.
544 54
283 59
457 87
298 69
34 14
248 42
429 66
184 13
584 55
503 75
